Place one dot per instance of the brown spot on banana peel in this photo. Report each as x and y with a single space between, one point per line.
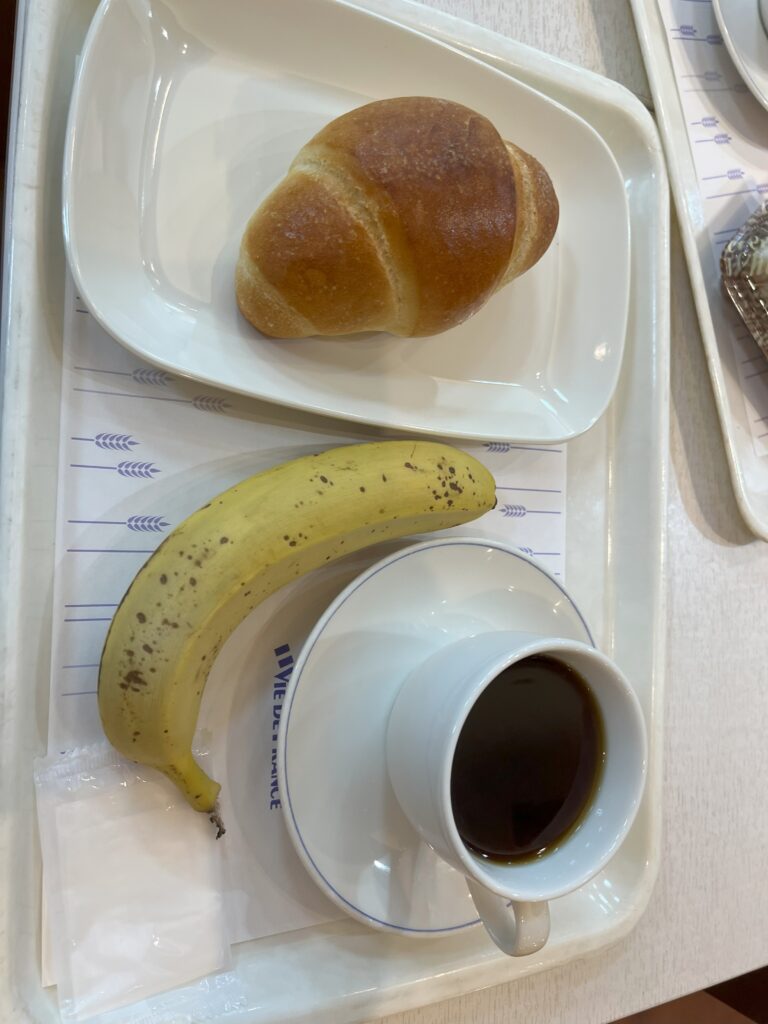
134 678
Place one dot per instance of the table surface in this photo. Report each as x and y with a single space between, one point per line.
707 917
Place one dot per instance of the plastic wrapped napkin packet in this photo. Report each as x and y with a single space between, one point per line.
132 883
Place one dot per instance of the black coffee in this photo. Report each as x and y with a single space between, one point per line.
527 762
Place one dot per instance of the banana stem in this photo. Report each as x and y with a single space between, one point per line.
215 819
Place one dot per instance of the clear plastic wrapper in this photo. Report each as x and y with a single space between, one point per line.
133 884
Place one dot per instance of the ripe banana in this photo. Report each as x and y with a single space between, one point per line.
231 554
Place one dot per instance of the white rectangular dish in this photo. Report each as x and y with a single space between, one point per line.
184 118
748 468
616 500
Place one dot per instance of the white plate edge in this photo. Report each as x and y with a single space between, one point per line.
72 248
744 68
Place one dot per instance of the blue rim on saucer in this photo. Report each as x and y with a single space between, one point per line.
338 805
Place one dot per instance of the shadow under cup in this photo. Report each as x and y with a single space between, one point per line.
587 843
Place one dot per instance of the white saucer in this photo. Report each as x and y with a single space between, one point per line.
340 810
746 40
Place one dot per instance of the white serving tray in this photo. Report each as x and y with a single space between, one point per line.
615 554
185 116
749 471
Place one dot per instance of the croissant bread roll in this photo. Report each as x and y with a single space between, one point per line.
404 215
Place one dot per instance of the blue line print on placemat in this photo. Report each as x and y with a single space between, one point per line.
111 442
721 139
111 604
142 524
502 447
734 174
206 403
518 511
134 470
92 618
142 375
111 551
690 34
539 554
760 188
533 490
737 87
708 76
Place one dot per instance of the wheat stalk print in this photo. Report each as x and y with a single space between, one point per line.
158 378
207 403
111 442
115 442
503 447
137 470
149 376
126 468
147 524
138 523
142 375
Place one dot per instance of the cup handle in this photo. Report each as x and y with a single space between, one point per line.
517 928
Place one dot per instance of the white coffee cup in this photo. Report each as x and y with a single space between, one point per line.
423 730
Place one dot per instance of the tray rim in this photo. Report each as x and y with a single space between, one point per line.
525 60
653 43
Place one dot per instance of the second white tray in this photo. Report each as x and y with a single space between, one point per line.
749 470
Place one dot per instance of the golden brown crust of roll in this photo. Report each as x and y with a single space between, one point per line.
538 213
403 215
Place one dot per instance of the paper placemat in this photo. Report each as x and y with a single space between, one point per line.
142 449
728 136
